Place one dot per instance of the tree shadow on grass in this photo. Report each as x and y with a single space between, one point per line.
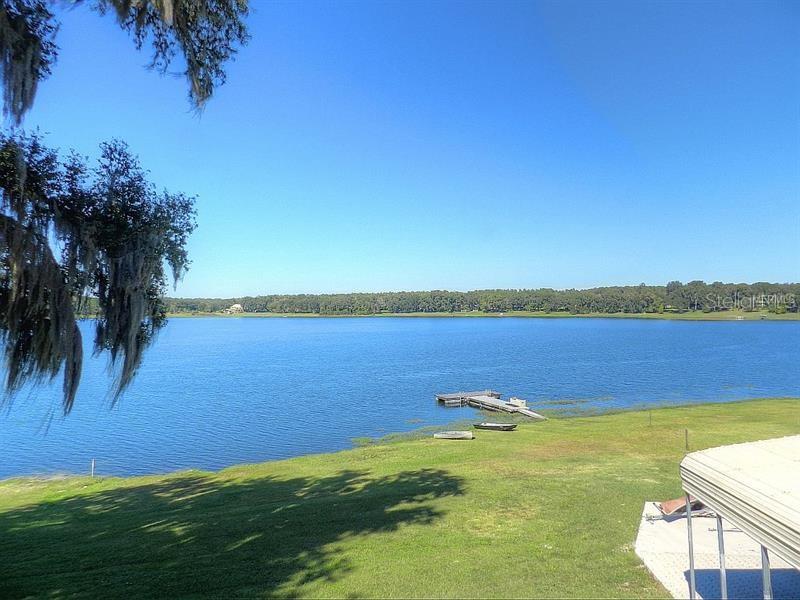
197 535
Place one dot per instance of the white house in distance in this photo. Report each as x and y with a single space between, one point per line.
233 309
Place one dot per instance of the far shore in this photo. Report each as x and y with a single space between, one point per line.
672 316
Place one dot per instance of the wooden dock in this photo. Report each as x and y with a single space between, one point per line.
463 397
487 400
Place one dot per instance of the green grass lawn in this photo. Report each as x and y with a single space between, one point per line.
551 509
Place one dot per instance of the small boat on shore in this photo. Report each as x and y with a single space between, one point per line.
454 435
496 426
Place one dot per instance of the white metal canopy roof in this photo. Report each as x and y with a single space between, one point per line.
756 486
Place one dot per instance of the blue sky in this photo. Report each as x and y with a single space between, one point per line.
412 145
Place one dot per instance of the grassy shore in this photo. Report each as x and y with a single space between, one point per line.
549 510
732 315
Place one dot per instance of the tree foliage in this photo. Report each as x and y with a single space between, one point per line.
74 236
27 52
71 230
674 297
205 33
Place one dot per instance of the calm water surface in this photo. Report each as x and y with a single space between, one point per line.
214 392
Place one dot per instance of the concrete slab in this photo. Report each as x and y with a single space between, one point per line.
662 545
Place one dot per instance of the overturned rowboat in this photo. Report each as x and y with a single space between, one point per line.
454 435
496 426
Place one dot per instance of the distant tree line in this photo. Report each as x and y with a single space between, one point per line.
673 297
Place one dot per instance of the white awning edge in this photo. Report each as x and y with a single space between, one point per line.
755 486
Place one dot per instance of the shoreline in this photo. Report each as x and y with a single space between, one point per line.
421 433
324 525
550 412
686 316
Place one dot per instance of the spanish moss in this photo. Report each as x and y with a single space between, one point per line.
70 231
27 52
205 33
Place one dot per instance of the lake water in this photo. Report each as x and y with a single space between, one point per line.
215 392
